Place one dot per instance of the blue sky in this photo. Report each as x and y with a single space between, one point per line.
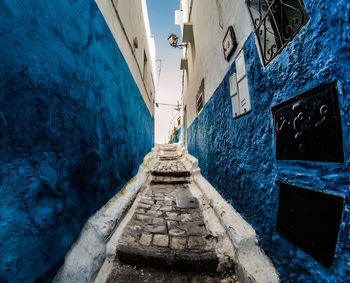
162 22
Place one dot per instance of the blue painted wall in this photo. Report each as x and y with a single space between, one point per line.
238 156
179 134
73 129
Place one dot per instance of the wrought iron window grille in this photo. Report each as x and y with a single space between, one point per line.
200 102
276 22
200 97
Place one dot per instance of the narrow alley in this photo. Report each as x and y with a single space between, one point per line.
174 141
166 229
174 231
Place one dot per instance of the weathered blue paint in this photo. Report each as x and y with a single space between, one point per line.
238 156
73 129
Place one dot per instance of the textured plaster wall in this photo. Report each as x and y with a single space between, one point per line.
73 129
128 20
210 22
238 156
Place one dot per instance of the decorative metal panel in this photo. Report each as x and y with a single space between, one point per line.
308 126
276 22
311 220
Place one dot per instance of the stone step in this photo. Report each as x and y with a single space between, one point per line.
174 168
170 180
171 173
169 157
163 258
165 233
131 273
167 149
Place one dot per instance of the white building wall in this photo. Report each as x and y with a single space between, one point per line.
210 19
128 22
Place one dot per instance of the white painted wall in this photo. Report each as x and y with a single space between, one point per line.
128 19
211 19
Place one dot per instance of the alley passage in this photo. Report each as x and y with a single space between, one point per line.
165 238
168 224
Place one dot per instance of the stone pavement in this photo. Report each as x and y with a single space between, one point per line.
166 231
168 224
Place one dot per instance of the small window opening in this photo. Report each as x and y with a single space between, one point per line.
144 66
200 97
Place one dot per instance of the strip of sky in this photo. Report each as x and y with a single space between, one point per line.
162 22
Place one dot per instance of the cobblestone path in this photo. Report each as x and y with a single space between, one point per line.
166 239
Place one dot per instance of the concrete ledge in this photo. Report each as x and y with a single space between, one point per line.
251 264
87 254
254 266
240 232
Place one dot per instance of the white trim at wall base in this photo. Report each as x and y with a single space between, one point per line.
251 263
87 255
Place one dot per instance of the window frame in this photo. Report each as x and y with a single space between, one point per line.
200 97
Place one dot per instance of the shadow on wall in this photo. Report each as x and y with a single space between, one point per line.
74 129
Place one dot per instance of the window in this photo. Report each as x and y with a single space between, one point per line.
200 97
145 75
144 66
239 89
311 220
276 22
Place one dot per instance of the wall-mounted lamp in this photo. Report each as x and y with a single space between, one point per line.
173 39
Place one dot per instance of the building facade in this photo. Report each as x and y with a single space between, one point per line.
76 120
266 112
